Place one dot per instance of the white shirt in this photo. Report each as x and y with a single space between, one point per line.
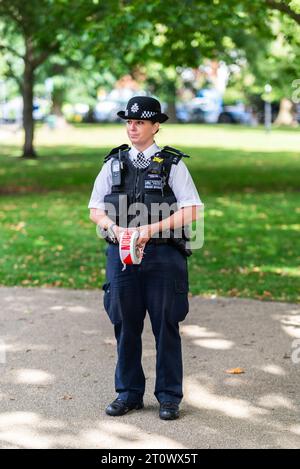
180 181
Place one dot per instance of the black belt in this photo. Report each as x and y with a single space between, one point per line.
158 241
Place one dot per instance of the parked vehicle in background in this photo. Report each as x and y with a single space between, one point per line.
106 110
235 114
298 113
207 107
12 110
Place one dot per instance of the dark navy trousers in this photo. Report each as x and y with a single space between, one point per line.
158 285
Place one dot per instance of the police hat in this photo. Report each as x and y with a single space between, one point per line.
143 108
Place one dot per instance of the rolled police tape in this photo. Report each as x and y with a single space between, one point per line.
130 252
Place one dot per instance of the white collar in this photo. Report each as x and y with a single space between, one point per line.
147 153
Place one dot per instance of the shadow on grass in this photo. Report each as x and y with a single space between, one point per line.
214 170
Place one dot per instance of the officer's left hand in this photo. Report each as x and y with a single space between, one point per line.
145 235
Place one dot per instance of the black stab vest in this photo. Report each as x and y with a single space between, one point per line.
133 187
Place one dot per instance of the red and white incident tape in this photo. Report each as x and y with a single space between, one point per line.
130 252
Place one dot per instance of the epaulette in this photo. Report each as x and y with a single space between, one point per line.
174 153
115 151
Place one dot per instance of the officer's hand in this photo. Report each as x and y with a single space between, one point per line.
118 230
144 233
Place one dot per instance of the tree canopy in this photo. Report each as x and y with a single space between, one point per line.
48 37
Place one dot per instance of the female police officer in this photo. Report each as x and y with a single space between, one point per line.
149 175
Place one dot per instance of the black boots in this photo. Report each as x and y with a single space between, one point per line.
119 407
169 411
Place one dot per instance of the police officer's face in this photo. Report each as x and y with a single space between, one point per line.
141 132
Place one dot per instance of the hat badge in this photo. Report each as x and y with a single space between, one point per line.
135 107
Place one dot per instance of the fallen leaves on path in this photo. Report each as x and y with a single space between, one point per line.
235 371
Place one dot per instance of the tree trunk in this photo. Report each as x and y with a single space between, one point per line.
172 111
28 123
172 102
58 95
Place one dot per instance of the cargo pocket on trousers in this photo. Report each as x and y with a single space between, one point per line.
181 302
109 304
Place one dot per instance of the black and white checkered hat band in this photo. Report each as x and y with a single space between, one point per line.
147 114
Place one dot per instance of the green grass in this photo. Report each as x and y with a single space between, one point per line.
252 211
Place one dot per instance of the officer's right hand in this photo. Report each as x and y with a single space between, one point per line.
118 230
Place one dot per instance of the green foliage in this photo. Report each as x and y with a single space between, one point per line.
295 5
85 44
277 62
